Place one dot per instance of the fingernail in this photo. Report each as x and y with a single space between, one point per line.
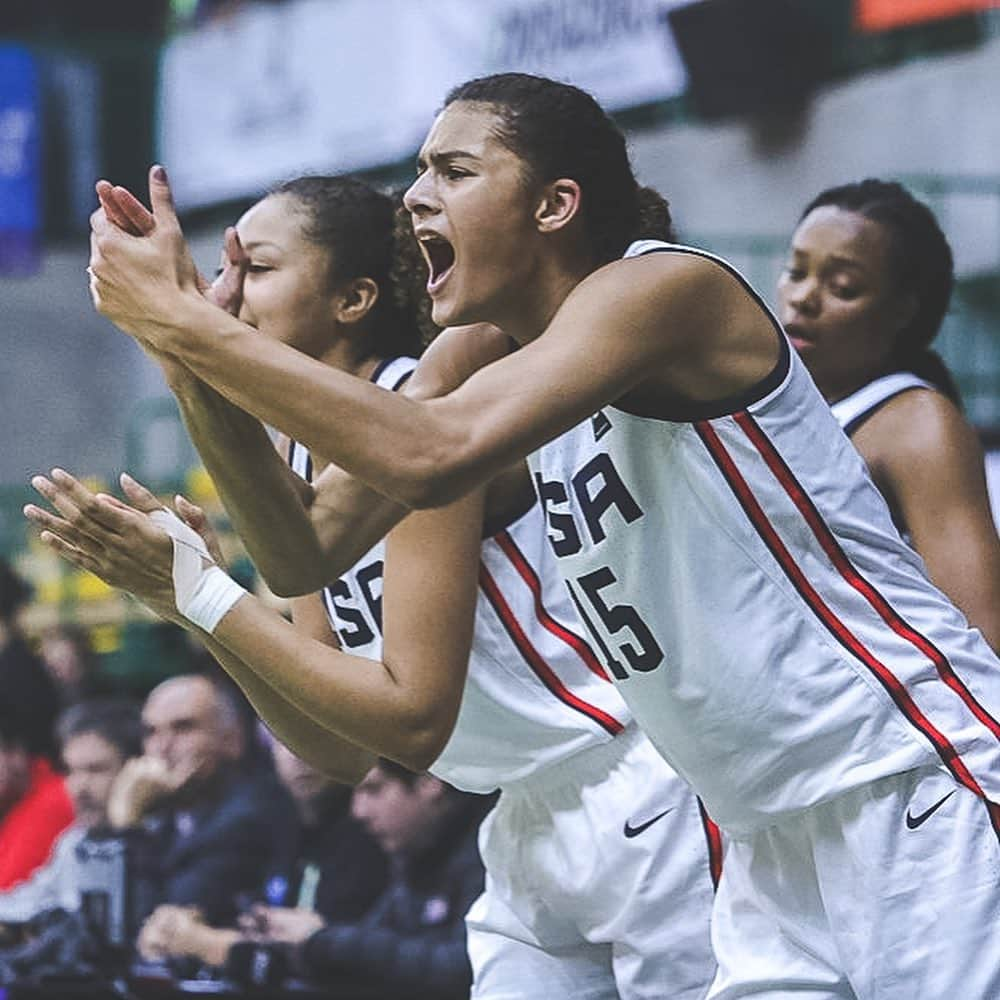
160 174
125 478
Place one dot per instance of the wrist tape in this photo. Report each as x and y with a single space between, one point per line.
203 593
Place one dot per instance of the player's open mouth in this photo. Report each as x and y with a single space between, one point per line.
440 257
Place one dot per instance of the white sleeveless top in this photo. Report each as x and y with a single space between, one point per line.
853 410
535 693
742 580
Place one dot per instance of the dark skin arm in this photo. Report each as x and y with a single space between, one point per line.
928 463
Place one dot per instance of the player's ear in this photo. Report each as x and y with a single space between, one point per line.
558 205
355 300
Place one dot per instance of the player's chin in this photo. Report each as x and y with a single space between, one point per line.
448 312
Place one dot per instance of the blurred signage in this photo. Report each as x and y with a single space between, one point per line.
880 15
277 90
20 162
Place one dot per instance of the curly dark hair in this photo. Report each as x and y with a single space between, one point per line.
561 131
922 262
357 225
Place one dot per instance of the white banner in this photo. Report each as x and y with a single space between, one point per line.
340 85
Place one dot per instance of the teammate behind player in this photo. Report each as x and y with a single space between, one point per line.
769 629
600 860
862 295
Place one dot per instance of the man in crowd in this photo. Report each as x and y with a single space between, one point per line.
328 869
24 681
200 828
97 737
413 940
34 805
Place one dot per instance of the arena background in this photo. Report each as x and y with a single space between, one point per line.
738 110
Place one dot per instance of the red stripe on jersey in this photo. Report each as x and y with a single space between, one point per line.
527 573
534 659
741 489
838 557
713 837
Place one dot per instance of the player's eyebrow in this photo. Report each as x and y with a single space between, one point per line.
257 244
444 157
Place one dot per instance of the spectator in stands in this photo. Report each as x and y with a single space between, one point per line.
23 677
65 651
413 940
862 296
204 829
330 867
34 805
97 738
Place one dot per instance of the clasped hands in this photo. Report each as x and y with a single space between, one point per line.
141 268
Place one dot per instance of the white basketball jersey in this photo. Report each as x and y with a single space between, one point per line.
535 693
354 602
744 584
852 411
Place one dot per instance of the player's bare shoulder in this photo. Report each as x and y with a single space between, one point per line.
702 331
917 426
453 356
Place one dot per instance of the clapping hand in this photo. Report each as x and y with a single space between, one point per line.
117 542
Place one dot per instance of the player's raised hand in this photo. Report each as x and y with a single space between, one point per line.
194 517
124 210
190 513
116 542
138 282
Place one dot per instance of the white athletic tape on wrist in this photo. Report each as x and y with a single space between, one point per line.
203 593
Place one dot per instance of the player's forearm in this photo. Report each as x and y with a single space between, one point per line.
402 448
389 712
315 744
349 518
263 497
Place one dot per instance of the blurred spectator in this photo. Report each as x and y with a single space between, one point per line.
201 826
330 866
34 805
413 940
24 680
97 738
65 652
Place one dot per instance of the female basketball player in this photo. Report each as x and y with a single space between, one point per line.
862 295
600 860
721 538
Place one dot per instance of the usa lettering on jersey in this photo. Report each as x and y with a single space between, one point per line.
600 494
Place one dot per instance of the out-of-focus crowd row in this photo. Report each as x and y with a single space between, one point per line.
178 834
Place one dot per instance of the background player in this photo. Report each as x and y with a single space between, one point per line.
866 285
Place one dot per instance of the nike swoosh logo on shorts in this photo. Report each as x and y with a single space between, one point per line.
634 831
912 822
